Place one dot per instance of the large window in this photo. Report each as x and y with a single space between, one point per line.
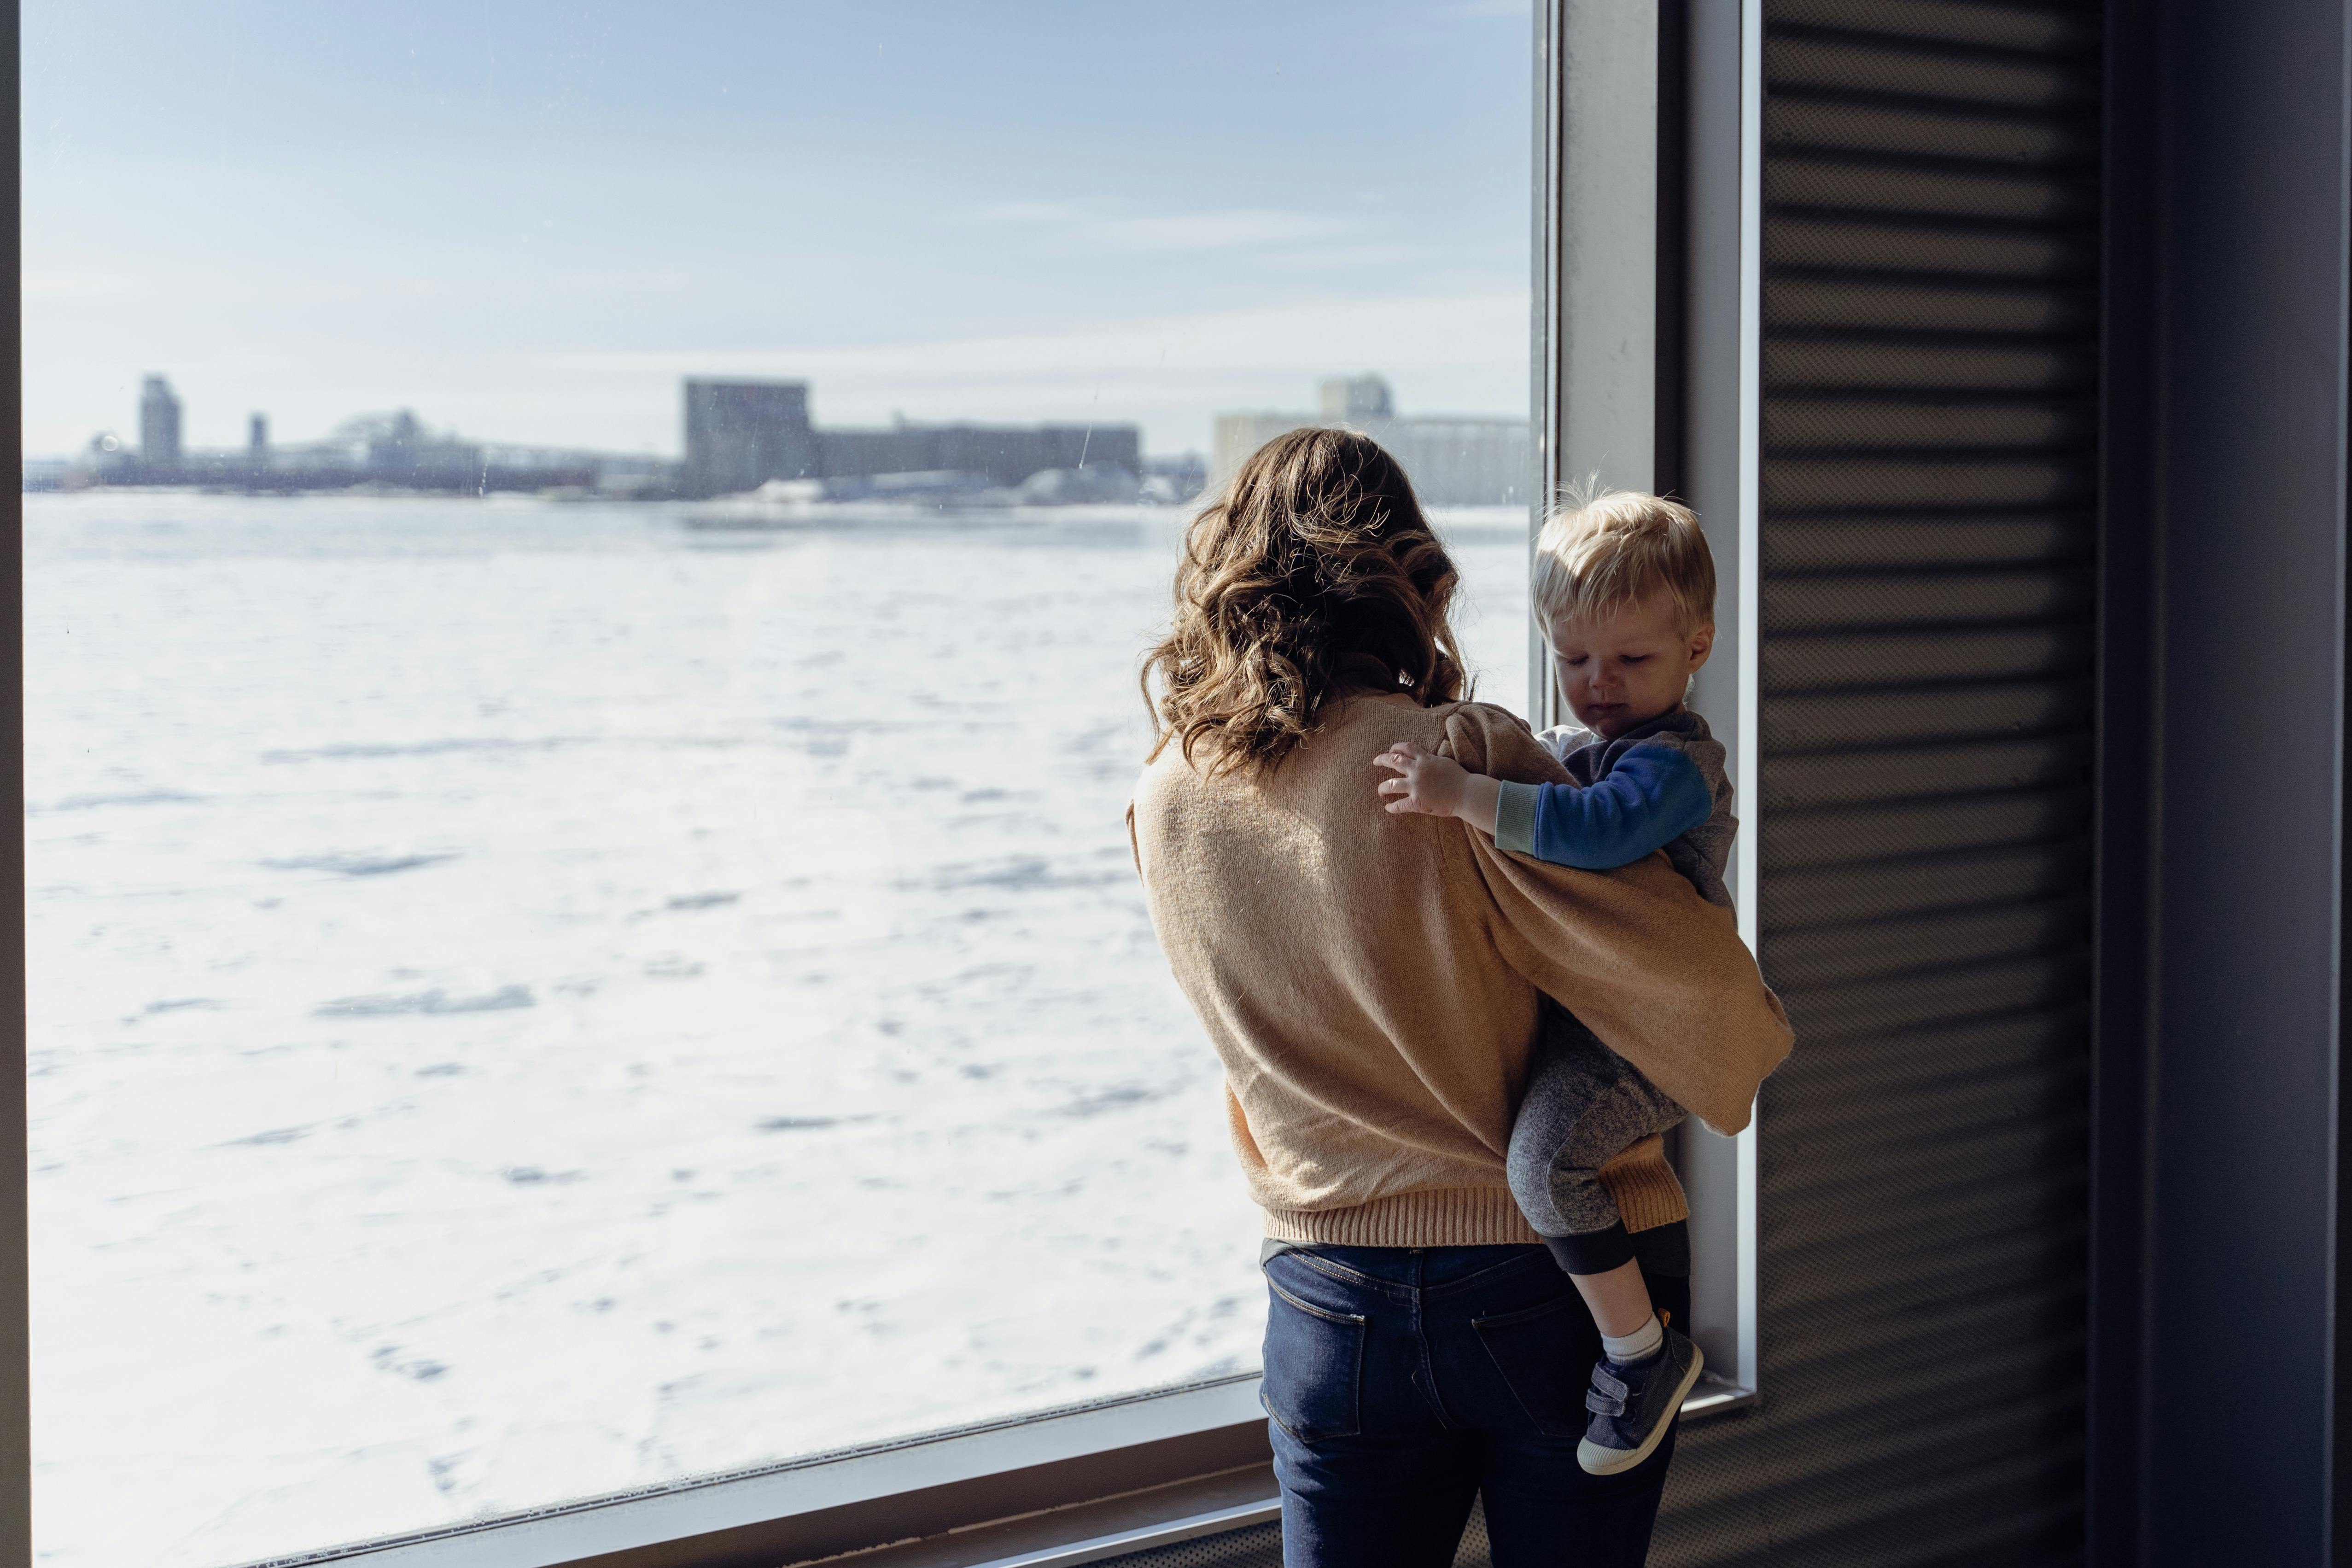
585 582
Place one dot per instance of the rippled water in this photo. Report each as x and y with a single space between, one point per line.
530 1000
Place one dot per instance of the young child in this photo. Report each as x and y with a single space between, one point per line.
1625 587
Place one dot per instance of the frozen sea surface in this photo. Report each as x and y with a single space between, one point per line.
531 1001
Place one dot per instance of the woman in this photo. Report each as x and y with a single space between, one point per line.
1371 984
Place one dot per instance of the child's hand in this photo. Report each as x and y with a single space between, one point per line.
1435 785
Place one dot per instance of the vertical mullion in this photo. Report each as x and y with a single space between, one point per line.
1543 380
15 1351
1748 751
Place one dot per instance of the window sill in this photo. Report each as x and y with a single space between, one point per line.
1714 1395
832 1505
1161 1517
1093 1533
1051 1492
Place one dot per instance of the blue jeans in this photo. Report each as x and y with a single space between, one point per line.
1404 1382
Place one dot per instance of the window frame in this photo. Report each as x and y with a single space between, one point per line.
16 1238
1123 1473
1648 372
1627 79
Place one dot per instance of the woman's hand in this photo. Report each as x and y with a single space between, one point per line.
1436 786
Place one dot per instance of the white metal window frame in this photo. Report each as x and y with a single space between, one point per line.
681 1511
1596 375
1606 207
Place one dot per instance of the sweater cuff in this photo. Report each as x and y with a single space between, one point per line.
1515 818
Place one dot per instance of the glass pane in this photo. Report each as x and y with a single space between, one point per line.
583 931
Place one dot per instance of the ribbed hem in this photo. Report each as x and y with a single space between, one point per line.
1447 1216
1515 818
1645 1188
1647 1191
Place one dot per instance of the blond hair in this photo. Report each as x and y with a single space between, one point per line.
1314 572
1600 550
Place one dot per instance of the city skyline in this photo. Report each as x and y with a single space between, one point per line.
134 437
740 435
1044 214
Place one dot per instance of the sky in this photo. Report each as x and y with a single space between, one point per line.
527 221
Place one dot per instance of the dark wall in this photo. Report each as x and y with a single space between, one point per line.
2217 1348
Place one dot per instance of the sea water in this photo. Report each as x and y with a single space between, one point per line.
531 1000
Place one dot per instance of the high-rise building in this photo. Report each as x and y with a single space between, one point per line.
257 441
159 426
1353 400
740 435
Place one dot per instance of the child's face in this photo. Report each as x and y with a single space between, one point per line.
1628 666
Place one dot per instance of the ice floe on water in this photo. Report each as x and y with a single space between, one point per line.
434 1001
532 1000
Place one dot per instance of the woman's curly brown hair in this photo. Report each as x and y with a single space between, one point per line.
1314 574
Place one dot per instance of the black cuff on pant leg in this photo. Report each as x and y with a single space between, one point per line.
1664 1250
1595 1252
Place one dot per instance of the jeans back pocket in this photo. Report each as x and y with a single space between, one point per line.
1535 1350
1314 1367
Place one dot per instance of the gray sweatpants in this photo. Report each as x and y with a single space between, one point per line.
1585 1105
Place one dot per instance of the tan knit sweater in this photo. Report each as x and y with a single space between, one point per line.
1370 981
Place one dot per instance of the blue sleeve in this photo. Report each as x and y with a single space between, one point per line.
1653 796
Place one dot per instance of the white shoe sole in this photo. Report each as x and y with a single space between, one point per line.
1600 1462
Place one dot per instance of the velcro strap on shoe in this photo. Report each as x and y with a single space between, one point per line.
1601 1403
1608 1382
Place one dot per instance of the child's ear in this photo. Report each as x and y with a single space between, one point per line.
1702 643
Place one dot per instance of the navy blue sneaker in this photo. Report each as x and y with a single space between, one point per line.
1632 1406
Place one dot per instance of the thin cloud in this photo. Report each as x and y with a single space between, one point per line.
1336 259
1240 229
1222 229
74 283
1028 212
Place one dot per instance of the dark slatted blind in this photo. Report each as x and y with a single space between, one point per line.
1930 242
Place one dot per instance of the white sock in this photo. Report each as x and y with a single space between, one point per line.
1639 1346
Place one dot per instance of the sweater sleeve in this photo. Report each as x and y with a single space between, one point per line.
1656 971
1653 796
